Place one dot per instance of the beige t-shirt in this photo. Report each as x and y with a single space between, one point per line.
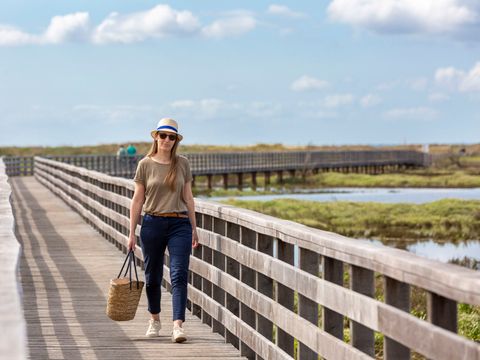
159 198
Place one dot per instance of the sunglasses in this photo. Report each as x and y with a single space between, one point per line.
163 136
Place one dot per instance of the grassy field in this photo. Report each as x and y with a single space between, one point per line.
452 220
426 179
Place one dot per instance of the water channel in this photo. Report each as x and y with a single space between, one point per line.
466 252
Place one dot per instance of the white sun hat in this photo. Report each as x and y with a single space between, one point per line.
167 125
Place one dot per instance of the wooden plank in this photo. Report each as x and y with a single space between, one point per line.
65 271
451 281
303 330
358 307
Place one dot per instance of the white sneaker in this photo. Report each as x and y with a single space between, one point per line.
154 327
178 334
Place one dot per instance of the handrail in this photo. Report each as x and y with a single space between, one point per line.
245 279
236 162
13 343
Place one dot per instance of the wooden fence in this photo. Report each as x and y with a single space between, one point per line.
237 163
266 284
13 344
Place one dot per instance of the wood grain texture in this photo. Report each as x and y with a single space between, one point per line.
65 270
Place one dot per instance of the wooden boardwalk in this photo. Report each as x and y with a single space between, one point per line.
65 268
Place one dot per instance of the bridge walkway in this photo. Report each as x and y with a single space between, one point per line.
65 269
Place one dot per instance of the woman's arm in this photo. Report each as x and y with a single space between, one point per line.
135 211
188 197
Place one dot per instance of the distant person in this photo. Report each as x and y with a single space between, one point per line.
163 188
122 152
132 152
122 155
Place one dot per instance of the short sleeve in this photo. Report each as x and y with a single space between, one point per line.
187 171
140 173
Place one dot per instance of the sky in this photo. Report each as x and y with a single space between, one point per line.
240 72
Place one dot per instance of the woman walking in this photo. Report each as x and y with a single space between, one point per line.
163 187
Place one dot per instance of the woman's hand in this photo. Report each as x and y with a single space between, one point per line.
132 241
194 239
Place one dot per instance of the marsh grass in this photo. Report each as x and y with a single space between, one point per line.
423 179
448 219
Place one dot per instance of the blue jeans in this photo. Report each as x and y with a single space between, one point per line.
158 233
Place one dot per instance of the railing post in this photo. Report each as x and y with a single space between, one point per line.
209 181
285 296
442 311
332 321
280 177
254 180
240 181
219 262
248 238
267 179
396 294
233 268
197 279
265 286
207 257
308 309
363 282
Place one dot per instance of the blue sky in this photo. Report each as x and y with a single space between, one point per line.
240 72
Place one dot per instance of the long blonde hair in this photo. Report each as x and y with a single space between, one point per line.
171 177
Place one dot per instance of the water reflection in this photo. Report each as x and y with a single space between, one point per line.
466 253
384 195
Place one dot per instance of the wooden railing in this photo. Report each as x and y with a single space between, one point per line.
235 163
268 284
13 344
18 165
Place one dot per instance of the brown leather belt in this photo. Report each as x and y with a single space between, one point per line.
172 214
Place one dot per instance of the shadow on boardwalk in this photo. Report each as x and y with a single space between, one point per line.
65 268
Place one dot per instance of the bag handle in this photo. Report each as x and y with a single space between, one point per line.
131 260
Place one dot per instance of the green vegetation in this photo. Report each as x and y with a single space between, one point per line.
457 179
448 219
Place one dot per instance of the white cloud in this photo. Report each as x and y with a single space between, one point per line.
459 80
337 100
370 100
10 36
307 83
408 16
438 97
285 11
201 109
158 22
70 27
235 25
416 113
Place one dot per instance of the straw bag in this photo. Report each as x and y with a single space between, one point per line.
124 294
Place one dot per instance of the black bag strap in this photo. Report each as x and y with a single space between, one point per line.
131 263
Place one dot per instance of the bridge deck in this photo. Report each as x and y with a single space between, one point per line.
65 270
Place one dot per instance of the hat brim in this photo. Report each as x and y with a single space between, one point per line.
153 132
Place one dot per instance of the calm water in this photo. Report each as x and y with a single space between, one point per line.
384 195
444 252
468 251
